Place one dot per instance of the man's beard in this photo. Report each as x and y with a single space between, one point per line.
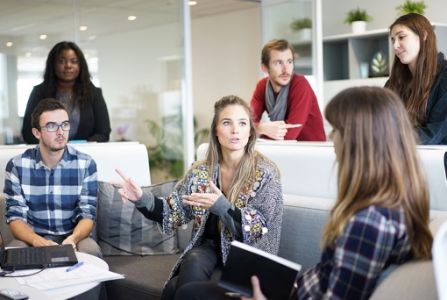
56 149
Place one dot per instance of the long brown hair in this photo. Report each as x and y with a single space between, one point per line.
414 89
377 163
245 175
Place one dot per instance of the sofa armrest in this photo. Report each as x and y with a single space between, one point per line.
411 281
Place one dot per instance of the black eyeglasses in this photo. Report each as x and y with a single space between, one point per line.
53 126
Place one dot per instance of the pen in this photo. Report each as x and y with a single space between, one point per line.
74 266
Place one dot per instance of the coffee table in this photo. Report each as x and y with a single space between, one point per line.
59 293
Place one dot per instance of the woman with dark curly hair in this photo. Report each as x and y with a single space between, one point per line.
67 79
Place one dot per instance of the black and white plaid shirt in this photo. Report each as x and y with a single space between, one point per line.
373 239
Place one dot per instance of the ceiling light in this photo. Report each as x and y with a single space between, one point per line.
92 37
9 44
28 54
131 18
192 2
83 28
43 36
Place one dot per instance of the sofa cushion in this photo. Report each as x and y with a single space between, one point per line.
301 235
123 230
4 227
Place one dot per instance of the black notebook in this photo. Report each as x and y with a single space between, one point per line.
36 257
276 275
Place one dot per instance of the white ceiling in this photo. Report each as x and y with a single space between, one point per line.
23 21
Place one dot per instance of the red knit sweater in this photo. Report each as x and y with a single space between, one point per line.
302 108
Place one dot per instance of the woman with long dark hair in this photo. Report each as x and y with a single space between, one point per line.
67 79
419 76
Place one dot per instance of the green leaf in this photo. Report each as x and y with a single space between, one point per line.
412 7
357 15
299 24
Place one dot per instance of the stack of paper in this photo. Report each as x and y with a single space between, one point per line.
54 278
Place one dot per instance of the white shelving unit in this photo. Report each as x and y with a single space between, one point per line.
343 54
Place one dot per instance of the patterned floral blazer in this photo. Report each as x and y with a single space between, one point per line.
261 209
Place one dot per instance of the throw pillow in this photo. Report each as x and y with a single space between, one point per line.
123 230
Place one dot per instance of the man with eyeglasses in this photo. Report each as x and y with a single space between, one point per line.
51 190
287 97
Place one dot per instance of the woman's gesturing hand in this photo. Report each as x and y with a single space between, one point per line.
128 189
205 200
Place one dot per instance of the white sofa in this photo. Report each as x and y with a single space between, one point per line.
308 170
131 157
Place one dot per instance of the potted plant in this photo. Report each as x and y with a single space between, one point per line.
411 7
357 18
166 155
303 27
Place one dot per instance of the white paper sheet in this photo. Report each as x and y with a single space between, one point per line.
53 278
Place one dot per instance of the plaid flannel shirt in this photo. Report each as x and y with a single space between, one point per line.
373 239
51 201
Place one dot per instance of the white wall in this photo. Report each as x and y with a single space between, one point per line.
225 60
383 13
226 51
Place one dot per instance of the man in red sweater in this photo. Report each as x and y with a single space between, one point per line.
287 98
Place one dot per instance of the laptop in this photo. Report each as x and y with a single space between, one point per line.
36 257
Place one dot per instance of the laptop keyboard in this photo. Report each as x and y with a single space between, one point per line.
27 256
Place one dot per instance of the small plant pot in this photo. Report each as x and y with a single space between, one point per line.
304 34
358 26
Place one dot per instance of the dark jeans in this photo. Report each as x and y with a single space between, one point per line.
198 265
202 291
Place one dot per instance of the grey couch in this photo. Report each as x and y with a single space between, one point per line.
300 242
307 171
